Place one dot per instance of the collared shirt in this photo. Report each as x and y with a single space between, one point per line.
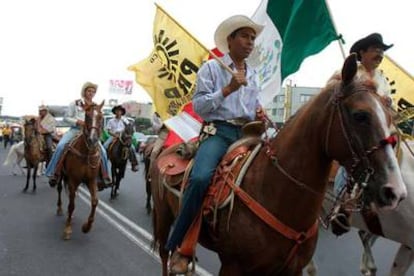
208 99
115 125
156 123
49 123
383 87
75 112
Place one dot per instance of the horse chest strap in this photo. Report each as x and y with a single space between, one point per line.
272 221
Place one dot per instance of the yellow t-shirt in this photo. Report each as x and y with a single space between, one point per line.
7 131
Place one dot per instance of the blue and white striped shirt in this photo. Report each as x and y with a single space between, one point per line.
208 99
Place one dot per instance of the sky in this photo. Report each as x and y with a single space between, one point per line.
49 48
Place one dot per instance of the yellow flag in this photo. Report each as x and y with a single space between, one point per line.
401 82
169 73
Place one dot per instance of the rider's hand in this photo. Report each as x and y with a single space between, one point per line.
80 123
238 79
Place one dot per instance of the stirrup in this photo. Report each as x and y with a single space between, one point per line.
340 224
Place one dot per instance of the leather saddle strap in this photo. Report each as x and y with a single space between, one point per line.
274 223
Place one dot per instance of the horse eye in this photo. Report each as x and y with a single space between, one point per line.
361 116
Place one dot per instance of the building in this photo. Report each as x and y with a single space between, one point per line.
288 102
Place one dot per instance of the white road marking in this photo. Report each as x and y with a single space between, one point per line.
144 244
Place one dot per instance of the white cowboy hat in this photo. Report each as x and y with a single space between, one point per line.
43 107
231 24
87 85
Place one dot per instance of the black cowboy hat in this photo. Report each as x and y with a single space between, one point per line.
120 107
374 39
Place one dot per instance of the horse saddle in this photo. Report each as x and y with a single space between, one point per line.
174 170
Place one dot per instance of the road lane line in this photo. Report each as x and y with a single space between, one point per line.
84 195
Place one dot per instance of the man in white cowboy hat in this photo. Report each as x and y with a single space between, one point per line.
370 52
47 128
75 116
115 126
226 101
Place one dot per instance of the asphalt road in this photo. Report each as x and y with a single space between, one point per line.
120 240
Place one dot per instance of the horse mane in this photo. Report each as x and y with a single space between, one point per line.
321 97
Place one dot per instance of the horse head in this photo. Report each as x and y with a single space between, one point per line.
93 124
360 137
126 135
30 130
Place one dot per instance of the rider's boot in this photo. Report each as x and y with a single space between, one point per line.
104 181
179 263
53 180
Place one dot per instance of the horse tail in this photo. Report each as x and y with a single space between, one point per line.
11 156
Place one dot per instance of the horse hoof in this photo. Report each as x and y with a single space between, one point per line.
86 228
59 212
67 236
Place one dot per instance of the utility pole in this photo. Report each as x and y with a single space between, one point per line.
288 101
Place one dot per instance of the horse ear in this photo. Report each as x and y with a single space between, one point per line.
349 69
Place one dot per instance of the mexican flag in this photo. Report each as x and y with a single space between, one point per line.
294 30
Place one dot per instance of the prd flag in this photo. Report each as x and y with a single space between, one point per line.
169 73
294 30
401 82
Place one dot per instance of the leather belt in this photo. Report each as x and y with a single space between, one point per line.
234 122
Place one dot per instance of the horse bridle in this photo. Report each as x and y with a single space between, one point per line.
359 153
28 139
87 129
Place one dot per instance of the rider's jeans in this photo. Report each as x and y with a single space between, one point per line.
66 138
206 160
340 180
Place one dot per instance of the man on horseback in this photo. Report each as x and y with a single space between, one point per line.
370 52
75 116
226 102
115 126
47 128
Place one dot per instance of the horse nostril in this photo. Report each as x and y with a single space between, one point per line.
387 195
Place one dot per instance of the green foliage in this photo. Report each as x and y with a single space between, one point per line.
142 125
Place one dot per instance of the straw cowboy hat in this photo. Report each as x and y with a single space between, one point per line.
231 24
87 85
374 39
118 107
43 107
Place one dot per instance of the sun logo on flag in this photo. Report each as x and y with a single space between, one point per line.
167 51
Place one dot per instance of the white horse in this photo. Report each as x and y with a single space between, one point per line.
15 157
397 225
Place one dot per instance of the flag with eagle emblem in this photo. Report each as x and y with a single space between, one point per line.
169 73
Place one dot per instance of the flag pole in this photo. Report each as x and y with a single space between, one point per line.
225 66
341 47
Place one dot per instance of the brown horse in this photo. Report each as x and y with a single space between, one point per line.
118 154
32 150
81 163
271 228
146 153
